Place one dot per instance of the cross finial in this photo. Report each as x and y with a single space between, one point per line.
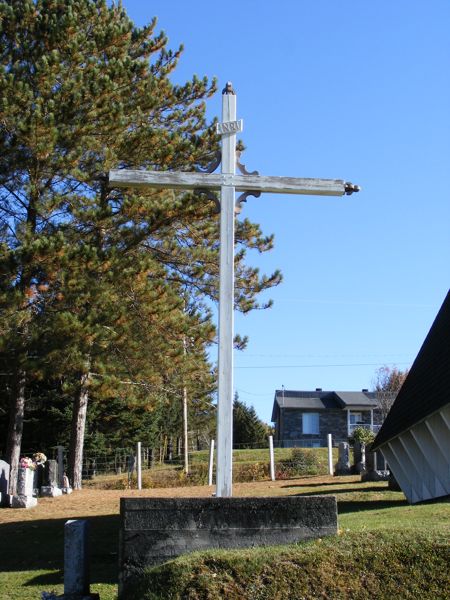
228 89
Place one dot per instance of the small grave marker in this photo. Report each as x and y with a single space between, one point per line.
51 480
76 558
4 483
343 465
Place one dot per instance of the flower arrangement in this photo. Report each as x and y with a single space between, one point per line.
27 463
39 458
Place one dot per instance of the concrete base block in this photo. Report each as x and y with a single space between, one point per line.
67 490
375 476
49 491
342 470
23 502
154 530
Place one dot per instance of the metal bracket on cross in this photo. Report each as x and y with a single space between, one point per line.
243 197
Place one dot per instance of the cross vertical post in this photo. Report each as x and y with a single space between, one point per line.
226 305
228 183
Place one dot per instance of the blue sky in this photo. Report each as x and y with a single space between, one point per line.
346 89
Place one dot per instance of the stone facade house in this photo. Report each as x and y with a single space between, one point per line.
415 437
305 418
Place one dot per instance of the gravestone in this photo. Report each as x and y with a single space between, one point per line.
51 480
359 457
373 472
4 483
154 530
343 464
66 489
60 455
38 479
24 497
76 564
76 558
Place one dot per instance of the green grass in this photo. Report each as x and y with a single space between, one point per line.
381 565
261 455
384 543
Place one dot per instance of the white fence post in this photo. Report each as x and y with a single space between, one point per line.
272 458
330 454
211 463
139 466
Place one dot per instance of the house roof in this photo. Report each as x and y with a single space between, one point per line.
322 400
426 388
363 399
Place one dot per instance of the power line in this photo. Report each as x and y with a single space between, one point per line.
316 366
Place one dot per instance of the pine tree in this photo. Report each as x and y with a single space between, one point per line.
83 91
248 430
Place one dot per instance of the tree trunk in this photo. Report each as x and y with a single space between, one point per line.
15 428
79 414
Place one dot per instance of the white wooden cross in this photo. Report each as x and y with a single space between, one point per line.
228 183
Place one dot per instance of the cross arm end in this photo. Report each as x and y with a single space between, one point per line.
350 188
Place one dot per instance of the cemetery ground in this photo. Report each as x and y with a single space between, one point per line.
385 548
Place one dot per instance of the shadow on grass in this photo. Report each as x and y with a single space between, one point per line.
336 490
39 545
351 506
333 483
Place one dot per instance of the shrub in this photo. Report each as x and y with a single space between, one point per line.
301 462
361 434
256 471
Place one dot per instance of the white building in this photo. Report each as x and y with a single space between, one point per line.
415 436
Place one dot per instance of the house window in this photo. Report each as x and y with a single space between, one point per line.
310 422
355 418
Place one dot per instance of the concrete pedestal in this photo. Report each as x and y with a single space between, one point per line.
22 501
156 530
49 491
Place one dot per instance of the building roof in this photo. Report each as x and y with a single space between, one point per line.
322 400
426 389
360 399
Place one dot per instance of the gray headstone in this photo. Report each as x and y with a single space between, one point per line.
343 464
25 482
60 450
38 479
51 473
359 457
4 483
375 475
76 558
381 462
371 461
24 497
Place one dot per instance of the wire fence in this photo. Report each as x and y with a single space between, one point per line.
246 456
117 468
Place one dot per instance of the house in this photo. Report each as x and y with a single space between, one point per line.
415 436
305 418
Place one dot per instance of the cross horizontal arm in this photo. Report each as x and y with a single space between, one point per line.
214 181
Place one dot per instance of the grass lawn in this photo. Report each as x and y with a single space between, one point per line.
31 549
